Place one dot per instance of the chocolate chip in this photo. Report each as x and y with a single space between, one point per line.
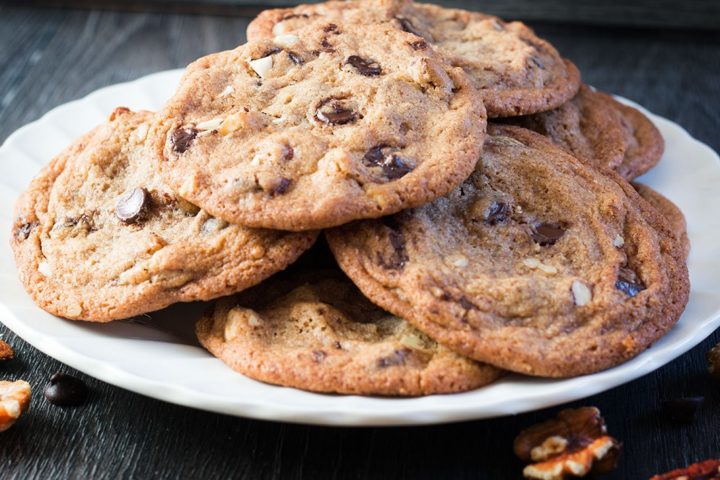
23 231
337 345
399 256
326 46
331 111
419 44
296 59
628 283
65 390
182 138
398 357
546 234
498 212
407 26
280 187
369 68
318 355
393 167
682 410
131 207
271 51
287 153
330 27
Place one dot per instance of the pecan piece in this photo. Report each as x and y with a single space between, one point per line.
707 470
6 351
14 400
575 443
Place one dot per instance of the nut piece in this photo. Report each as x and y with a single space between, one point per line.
574 443
14 400
6 351
707 470
713 357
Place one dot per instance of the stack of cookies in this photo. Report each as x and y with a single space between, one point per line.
473 194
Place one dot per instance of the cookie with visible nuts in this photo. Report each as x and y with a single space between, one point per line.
538 263
517 72
314 330
14 400
98 236
596 127
319 128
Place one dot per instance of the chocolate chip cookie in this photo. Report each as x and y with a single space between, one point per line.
314 330
99 237
537 263
670 211
516 72
320 127
596 127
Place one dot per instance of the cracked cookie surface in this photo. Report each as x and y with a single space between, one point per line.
516 72
537 263
98 236
314 330
596 127
320 127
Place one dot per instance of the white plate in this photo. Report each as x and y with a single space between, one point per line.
161 358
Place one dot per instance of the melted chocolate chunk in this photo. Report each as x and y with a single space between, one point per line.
330 27
407 26
498 212
287 153
280 187
271 51
65 390
399 256
369 68
628 283
419 44
318 355
133 205
331 111
398 357
182 138
296 59
393 166
23 231
547 234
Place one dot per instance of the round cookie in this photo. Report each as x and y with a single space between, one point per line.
99 237
645 143
314 330
588 126
536 264
670 211
316 129
516 72
596 127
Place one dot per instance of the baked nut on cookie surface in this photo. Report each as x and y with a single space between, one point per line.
517 72
314 330
320 127
98 236
538 263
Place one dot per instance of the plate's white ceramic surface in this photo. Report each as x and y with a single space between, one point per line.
160 357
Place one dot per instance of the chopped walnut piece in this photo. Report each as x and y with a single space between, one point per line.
713 357
6 351
14 400
707 470
575 443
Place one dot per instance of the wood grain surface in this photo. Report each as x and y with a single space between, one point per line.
51 56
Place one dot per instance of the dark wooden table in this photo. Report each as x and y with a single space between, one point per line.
51 56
